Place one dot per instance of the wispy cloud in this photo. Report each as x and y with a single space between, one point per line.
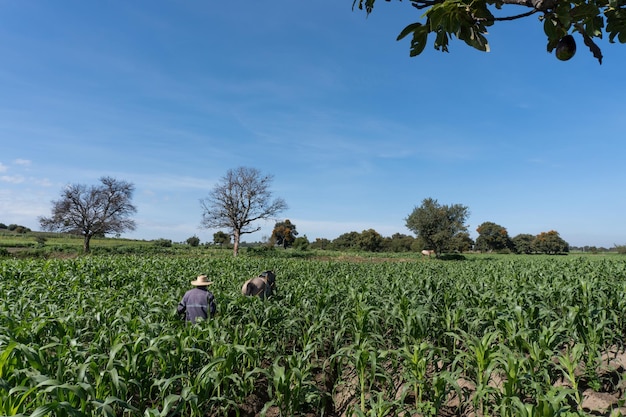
22 162
149 182
43 182
22 208
12 179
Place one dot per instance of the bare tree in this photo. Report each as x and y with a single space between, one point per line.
92 211
240 199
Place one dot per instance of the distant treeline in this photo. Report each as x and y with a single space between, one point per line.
16 228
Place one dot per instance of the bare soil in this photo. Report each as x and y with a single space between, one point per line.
341 398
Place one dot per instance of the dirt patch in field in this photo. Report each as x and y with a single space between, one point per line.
608 400
15 250
340 394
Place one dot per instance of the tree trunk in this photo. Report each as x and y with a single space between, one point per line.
86 243
236 236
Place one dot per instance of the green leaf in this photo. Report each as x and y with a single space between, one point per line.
565 14
595 50
480 42
410 28
5 355
116 348
616 24
584 11
419 40
44 410
441 41
594 26
552 43
550 28
170 402
369 5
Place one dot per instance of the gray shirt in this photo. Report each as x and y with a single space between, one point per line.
197 303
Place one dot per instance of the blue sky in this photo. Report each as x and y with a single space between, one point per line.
169 95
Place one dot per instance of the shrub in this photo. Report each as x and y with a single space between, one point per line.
164 243
193 241
301 243
260 250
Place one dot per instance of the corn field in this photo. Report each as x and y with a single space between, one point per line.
511 336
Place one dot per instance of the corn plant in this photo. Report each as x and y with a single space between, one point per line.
292 388
366 361
552 403
515 369
425 380
378 405
568 364
479 361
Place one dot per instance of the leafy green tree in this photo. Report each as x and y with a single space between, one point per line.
550 242
193 241
16 228
523 243
344 241
220 238
492 236
93 211
162 243
398 242
301 243
418 244
562 21
437 224
370 240
461 242
621 249
321 243
240 199
284 234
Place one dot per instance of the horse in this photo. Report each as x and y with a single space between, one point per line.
262 285
428 252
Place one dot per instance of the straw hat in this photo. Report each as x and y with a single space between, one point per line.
201 281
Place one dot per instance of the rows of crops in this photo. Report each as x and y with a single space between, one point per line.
521 336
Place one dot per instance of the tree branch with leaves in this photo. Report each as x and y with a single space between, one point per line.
468 21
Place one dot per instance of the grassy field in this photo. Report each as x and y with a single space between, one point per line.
56 245
33 240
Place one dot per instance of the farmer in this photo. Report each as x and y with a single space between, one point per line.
198 302
263 285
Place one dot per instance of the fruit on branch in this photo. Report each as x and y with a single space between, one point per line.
566 48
